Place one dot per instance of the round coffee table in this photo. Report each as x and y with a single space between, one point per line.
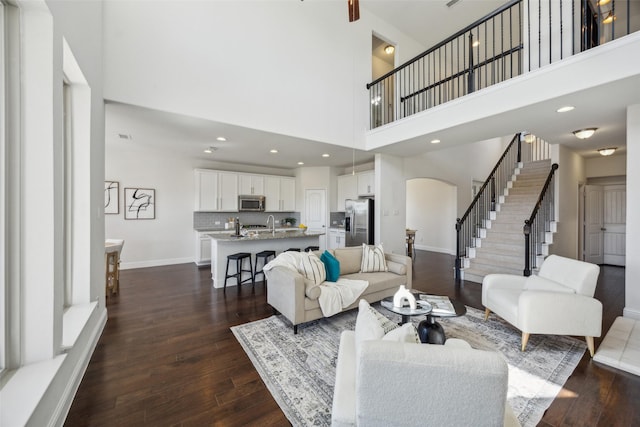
421 309
431 331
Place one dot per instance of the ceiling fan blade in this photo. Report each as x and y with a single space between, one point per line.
354 10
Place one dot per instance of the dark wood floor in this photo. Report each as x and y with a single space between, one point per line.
168 358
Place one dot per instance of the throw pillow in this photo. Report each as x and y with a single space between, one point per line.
396 267
312 268
370 325
331 265
372 259
405 333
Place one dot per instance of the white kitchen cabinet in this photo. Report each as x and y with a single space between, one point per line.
347 189
280 194
203 249
366 183
336 238
216 191
251 184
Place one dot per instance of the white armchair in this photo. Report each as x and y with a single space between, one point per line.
558 301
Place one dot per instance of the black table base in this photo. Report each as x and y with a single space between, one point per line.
431 332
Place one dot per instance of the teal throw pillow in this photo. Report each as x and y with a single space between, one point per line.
331 265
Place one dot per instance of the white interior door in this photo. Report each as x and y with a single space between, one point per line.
315 204
594 224
615 224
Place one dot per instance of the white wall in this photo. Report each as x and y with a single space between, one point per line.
314 178
632 293
601 166
390 204
168 239
459 166
431 210
181 56
569 176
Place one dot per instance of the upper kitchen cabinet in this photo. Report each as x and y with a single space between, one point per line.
280 194
251 184
347 189
216 191
366 183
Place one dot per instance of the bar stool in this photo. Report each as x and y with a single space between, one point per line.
312 248
112 274
293 250
238 258
265 255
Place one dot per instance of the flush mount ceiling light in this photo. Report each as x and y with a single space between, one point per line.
476 43
210 150
584 133
603 2
389 49
300 163
221 138
325 155
565 109
607 151
528 137
609 18
273 151
435 141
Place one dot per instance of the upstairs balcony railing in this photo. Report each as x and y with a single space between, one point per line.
516 38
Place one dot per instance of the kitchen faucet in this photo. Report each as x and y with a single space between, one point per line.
273 224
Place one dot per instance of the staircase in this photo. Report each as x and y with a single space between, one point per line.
500 245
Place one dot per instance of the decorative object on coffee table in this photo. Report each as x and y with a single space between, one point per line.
404 295
406 311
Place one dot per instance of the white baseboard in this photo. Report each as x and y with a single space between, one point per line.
154 263
435 249
631 313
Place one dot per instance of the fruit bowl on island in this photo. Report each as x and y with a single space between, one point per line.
302 228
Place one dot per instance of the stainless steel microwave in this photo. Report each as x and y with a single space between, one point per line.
249 203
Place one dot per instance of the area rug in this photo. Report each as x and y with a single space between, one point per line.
299 370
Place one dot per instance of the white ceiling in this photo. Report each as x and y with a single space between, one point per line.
602 107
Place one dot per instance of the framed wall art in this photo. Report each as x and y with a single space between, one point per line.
139 203
111 197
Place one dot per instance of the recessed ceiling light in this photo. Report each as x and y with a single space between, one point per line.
476 43
273 150
221 138
210 150
301 163
565 109
325 155
435 141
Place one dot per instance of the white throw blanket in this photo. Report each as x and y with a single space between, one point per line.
334 296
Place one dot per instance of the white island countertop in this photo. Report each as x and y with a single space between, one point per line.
264 235
225 244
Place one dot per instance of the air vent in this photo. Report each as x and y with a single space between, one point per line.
452 2
124 136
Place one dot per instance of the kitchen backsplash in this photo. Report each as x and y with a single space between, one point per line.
207 220
336 219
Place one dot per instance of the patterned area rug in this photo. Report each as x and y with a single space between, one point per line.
299 370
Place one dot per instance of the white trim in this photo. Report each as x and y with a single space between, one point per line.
631 313
155 263
434 249
66 399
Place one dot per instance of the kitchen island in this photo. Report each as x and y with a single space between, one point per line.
223 245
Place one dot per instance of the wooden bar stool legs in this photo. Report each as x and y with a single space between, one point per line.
112 279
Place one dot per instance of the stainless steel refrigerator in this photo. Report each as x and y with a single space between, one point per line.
359 223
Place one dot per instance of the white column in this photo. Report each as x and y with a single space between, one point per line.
632 287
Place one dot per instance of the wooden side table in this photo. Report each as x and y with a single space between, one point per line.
411 237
